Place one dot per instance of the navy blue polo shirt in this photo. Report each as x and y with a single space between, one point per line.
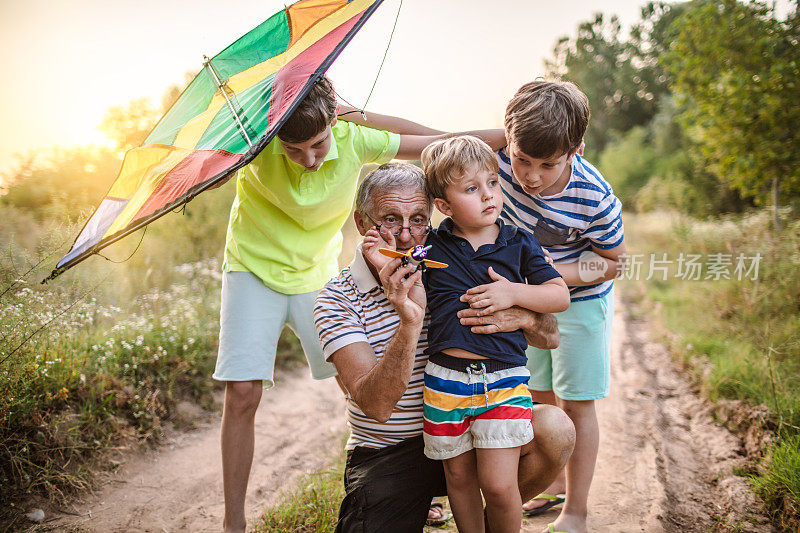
515 255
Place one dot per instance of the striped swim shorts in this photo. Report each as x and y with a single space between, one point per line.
470 403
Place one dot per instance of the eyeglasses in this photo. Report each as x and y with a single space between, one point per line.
395 228
416 230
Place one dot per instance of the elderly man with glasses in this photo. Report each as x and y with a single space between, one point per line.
372 324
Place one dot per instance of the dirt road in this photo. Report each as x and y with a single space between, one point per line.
299 428
664 465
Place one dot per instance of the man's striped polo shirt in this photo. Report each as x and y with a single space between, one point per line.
352 308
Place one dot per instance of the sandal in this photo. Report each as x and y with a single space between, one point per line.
444 516
553 500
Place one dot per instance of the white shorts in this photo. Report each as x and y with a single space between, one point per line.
252 317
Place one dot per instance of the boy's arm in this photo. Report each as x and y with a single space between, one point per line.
411 146
552 296
602 266
385 122
606 260
415 137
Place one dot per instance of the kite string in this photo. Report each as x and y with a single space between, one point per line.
133 252
181 209
385 53
355 109
361 109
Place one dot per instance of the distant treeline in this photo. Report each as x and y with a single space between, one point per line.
66 184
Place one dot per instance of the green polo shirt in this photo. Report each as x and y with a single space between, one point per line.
285 221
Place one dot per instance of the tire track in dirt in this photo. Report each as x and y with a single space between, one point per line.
664 465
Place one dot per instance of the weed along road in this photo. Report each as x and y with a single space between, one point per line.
664 465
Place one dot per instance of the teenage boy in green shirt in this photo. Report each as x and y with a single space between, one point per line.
282 247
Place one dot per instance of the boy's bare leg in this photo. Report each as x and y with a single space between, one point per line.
559 486
497 469
237 441
543 396
580 467
464 493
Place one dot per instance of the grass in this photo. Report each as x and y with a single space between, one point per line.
98 375
740 338
104 375
102 356
310 507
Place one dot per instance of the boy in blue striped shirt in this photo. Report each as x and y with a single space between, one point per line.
552 191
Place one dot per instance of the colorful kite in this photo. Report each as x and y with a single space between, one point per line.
223 119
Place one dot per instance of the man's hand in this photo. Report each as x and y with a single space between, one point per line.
541 330
373 241
403 287
502 321
492 297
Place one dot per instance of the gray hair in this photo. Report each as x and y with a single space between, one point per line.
390 176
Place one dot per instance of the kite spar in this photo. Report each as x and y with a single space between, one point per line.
223 119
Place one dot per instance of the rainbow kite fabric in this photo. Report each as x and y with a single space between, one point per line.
223 119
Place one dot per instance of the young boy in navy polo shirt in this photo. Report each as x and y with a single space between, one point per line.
477 407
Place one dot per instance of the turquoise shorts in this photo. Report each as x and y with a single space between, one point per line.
252 317
580 368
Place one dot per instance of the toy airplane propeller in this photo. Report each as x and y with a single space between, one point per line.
415 257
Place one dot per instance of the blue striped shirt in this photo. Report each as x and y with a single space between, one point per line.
585 214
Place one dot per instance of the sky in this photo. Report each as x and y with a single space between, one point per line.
452 64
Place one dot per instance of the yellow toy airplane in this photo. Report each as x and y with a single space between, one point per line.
415 257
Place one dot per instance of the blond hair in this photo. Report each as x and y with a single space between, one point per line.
446 160
547 118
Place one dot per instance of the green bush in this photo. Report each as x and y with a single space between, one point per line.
96 373
105 351
656 167
779 484
627 163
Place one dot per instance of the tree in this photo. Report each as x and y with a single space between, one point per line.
735 70
129 125
621 78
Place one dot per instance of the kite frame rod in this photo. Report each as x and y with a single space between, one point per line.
221 87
